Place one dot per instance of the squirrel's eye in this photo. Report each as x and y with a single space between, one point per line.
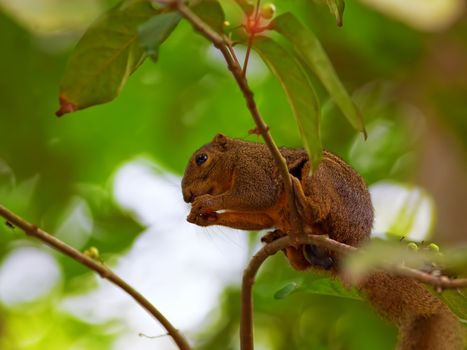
200 159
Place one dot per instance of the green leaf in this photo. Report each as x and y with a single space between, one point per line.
457 302
107 54
310 51
211 12
246 6
319 286
156 30
113 228
455 259
332 287
386 255
301 95
286 290
337 9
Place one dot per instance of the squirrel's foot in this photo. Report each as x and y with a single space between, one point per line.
272 236
317 256
307 207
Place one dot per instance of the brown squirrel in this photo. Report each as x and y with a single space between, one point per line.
236 183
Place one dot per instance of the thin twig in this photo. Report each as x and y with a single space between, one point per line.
442 282
246 325
237 71
232 51
247 54
102 270
251 37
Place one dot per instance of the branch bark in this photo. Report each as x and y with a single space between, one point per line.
246 323
102 270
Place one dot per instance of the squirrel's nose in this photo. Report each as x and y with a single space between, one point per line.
188 196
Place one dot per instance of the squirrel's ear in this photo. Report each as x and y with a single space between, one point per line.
220 140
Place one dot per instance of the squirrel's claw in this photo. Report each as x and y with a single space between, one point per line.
200 213
202 219
272 236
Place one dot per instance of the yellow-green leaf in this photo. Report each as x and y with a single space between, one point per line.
300 93
309 49
105 57
330 286
211 12
156 30
337 9
287 290
457 302
246 6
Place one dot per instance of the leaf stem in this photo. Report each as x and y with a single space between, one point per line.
247 54
232 52
251 37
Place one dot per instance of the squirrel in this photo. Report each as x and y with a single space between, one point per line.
236 183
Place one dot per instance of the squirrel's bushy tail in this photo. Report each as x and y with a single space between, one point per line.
424 321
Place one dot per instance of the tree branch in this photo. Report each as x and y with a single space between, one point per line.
102 270
246 325
237 72
442 282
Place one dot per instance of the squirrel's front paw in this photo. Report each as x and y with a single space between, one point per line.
200 213
272 236
202 219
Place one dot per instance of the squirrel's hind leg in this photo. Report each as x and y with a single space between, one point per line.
318 257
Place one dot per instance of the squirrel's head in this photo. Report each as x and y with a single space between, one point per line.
208 171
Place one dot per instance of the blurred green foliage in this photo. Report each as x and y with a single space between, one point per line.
48 328
166 110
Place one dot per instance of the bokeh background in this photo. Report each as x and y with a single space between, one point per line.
109 176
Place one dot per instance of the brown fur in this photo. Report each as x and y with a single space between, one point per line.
424 321
239 186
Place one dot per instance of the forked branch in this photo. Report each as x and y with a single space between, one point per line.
246 326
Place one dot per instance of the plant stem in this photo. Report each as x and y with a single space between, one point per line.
247 54
102 270
251 37
246 323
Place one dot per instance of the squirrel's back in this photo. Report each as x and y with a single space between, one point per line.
351 216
